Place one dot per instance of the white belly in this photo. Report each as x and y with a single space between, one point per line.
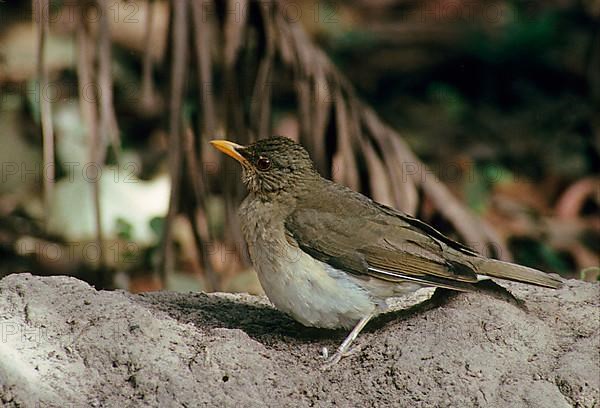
310 291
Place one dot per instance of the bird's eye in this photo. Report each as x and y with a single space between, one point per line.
263 163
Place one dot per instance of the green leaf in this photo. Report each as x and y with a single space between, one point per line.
124 229
157 224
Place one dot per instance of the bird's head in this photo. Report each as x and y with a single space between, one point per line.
271 165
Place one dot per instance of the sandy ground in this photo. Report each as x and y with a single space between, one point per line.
64 344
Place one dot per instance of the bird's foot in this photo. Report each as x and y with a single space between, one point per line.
333 360
336 357
344 348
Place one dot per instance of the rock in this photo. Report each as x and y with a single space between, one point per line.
62 343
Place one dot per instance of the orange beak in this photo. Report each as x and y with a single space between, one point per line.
229 148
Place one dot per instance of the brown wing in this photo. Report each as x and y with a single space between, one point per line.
354 234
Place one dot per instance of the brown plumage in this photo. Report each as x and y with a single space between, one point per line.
353 233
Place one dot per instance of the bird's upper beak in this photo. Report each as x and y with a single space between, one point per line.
230 149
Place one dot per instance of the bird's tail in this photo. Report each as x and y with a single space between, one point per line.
506 270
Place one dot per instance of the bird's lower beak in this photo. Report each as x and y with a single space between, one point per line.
229 148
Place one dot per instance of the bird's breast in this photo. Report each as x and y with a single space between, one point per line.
309 290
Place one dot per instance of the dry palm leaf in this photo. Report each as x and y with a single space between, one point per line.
335 125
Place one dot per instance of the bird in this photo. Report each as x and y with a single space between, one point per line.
331 257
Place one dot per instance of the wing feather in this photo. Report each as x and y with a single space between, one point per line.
365 241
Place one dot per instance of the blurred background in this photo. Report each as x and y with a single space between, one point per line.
480 117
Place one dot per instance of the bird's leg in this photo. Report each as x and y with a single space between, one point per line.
343 348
